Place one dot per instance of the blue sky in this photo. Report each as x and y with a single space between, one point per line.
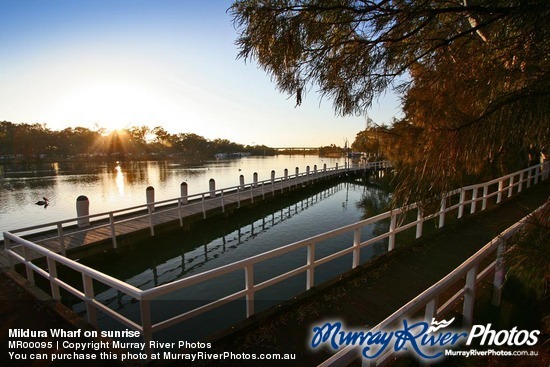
167 63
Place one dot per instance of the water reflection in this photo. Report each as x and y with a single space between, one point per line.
119 179
109 186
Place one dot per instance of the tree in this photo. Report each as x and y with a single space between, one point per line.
473 75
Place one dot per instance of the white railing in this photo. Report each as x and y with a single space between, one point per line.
505 184
432 302
221 197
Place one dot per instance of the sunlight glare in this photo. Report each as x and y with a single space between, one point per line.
112 105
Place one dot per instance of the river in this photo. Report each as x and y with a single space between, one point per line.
111 186
171 256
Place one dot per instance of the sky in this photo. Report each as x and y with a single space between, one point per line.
169 63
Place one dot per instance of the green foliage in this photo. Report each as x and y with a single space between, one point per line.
473 76
36 141
528 256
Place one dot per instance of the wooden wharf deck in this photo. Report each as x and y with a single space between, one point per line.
107 229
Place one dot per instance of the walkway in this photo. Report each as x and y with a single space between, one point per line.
109 228
369 295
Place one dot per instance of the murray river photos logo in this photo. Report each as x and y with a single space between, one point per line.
427 341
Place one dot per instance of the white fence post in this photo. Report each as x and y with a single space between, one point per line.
500 274
420 222
461 206
145 311
474 200
61 239
88 284
511 186
442 211
356 247
500 188
310 273
520 186
52 270
249 280
391 238
184 193
485 192
113 230
469 298
28 269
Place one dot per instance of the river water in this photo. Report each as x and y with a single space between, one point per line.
175 255
111 186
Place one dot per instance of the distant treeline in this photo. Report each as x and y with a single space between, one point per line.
33 142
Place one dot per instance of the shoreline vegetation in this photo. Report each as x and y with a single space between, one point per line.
34 143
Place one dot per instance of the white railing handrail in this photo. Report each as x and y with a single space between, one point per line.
145 296
434 291
104 278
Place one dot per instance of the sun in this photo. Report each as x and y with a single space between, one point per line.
108 104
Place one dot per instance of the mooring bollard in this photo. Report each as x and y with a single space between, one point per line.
241 181
255 179
184 192
212 187
150 197
82 210
272 177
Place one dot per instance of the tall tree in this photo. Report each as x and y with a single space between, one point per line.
473 74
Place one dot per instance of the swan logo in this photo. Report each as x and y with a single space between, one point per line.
439 325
